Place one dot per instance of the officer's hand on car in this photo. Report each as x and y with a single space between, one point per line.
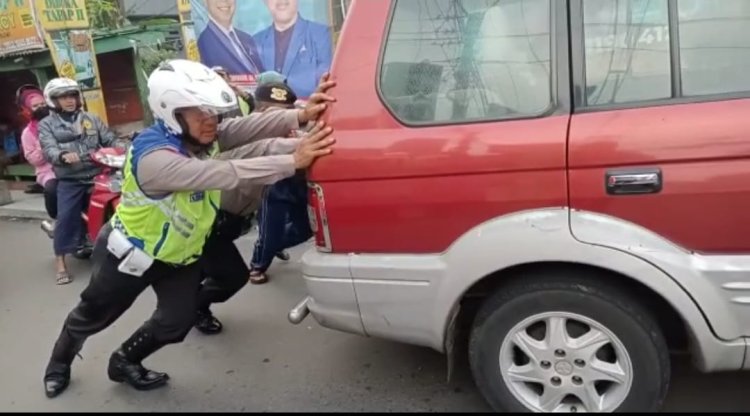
314 144
70 158
316 104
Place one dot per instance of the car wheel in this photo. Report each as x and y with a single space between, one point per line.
568 344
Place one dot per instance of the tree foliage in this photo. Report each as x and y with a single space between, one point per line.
104 14
151 57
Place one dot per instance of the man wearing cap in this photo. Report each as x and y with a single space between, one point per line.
282 218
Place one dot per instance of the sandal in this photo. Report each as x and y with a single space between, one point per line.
258 277
63 278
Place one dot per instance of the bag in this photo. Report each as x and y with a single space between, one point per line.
136 262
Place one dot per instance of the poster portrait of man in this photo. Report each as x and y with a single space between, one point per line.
295 47
222 44
291 37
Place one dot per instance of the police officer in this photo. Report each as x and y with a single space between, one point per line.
160 227
226 272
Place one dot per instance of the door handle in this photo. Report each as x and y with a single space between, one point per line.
633 181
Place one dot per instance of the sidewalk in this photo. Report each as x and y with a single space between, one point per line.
24 205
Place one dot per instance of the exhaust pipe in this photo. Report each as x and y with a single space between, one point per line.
299 312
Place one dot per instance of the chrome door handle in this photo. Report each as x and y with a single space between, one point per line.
633 181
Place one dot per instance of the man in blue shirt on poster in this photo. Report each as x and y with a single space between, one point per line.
295 47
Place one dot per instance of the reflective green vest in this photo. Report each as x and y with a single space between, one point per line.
172 229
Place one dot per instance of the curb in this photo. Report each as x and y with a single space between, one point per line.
6 212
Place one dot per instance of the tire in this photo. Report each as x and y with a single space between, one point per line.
582 301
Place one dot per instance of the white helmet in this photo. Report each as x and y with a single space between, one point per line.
180 83
58 87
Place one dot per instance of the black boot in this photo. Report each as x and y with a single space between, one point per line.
56 379
207 323
57 374
125 363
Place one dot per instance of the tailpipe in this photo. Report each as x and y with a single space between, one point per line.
299 312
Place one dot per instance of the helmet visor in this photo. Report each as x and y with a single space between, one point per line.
201 122
205 114
66 93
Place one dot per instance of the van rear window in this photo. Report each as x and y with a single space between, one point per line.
453 61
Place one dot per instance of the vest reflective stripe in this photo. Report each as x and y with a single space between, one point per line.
172 229
138 199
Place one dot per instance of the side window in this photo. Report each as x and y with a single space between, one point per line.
464 60
627 53
714 46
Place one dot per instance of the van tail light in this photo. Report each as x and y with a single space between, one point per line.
316 210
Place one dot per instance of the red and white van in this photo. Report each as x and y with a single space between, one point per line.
570 178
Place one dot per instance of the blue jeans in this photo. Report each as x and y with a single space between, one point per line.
283 221
70 233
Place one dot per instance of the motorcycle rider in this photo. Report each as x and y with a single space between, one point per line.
34 108
68 135
170 194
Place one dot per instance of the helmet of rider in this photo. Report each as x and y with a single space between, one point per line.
183 93
61 87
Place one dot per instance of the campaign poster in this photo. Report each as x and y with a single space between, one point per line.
249 37
69 38
18 29
73 52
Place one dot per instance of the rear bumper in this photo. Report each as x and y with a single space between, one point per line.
331 297
390 297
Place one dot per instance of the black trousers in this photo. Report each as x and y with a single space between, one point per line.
224 269
110 293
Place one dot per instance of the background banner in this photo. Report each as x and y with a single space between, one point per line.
66 26
62 14
73 54
248 37
18 29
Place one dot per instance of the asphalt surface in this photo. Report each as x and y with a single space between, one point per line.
259 363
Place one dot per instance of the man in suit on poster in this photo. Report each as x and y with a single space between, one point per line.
295 47
221 44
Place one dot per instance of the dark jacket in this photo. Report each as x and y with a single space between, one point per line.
86 134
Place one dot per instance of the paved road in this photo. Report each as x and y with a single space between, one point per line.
260 363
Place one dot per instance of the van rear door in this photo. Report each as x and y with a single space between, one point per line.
459 116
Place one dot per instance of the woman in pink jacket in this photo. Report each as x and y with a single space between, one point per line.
34 108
